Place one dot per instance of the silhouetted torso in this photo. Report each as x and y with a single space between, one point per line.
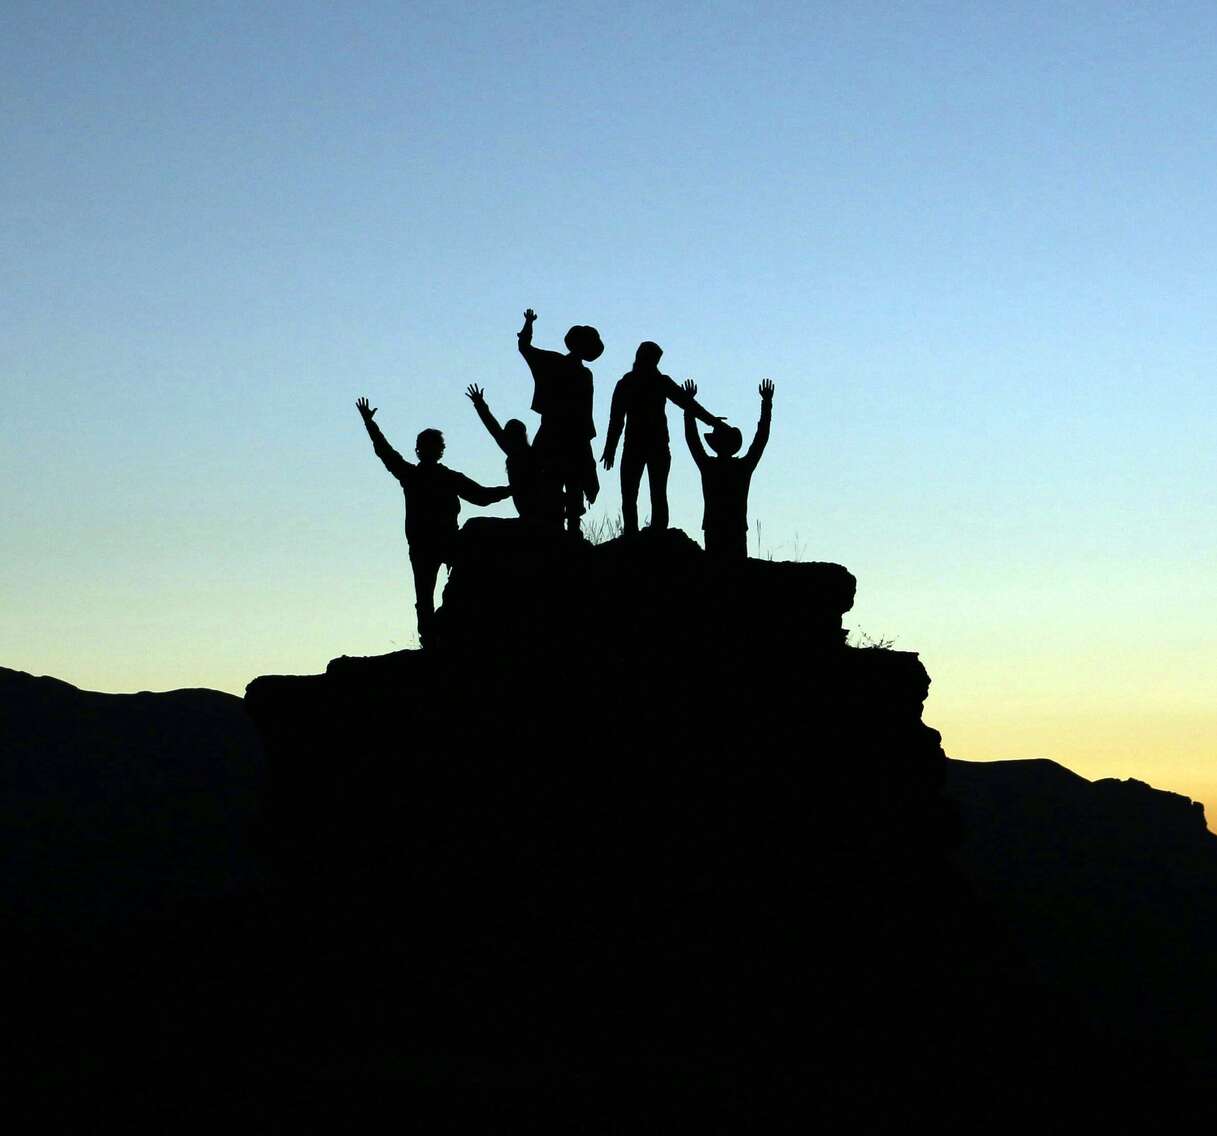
725 483
533 496
640 401
562 393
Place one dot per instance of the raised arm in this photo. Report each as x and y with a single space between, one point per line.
394 462
694 442
615 426
478 397
524 335
686 401
762 428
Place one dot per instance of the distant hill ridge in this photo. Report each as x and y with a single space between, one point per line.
117 803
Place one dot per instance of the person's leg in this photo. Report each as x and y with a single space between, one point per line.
631 477
659 463
726 544
425 564
573 495
578 478
549 477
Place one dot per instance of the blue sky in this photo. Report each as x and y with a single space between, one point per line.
973 245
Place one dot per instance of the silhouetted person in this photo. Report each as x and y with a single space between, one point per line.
725 478
640 405
433 502
562 396
537 499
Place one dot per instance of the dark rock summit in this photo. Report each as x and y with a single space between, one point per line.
634 801
589 707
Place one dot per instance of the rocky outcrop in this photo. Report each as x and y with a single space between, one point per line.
633 699
633 800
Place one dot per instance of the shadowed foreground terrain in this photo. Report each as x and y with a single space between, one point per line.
642 825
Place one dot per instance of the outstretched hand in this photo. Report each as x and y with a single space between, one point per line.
766 389
366 412
690 388
529 315
475 394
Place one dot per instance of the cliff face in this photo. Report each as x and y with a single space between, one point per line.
628 700
634 799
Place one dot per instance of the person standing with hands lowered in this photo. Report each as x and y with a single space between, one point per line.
640 407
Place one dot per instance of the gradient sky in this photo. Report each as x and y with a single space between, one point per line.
973 245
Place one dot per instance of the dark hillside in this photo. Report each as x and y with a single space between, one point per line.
117 803
1109 888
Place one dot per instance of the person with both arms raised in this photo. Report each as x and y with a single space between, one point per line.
640 406
725 478
433 495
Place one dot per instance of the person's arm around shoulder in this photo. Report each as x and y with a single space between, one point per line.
762 427
469 490
477 396
394 462
686 401
694 442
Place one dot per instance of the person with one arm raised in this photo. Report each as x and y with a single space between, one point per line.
562 395
725 479
536 499
640 407
433 494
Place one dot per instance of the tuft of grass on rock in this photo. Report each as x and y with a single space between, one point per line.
867 642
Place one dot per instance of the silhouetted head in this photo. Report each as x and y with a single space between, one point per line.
515 433
648 355
584 342
724 440
429 446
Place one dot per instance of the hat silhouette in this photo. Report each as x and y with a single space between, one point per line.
584 341
724 440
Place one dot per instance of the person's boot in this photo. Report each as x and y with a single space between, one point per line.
426 628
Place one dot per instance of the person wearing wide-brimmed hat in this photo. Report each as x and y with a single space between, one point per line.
562 396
